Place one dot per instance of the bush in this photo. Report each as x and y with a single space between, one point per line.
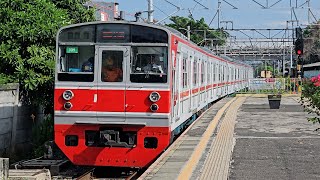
310 97
41 134
27 43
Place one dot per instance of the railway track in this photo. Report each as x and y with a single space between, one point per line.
92 175
115 174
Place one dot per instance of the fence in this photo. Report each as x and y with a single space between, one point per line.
15 122
273 85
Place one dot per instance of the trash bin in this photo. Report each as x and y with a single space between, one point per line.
274 101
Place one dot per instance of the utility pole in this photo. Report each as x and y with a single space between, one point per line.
188 32
309 11
283 62
150 11
219 9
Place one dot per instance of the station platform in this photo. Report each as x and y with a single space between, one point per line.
241 138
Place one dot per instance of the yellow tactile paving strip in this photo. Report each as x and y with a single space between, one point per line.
217 163
187 170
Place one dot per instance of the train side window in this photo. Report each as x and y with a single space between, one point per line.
189 72
228 73
219 70
225 70
225 73
208 73
235 73
214 72
195 71
184 71
202 73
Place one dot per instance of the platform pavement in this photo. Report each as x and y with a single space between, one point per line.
268 144
172 161
275 144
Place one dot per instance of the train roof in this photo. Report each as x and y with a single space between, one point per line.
162 27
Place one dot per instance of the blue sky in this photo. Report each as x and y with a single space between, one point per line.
248 14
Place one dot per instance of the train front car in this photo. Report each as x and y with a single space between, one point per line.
112 95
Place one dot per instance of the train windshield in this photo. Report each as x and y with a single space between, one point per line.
76 63
149 65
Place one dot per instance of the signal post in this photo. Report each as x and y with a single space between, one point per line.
299 52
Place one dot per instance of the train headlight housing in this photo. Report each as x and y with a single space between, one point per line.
67 95
154 107
67 105
154 96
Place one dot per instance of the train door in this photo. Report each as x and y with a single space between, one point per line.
112 83
198 81
185 85
176 89
209 81
218 79
228 79
189 64
214 78
192 85
173 87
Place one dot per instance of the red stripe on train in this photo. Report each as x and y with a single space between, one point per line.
112 100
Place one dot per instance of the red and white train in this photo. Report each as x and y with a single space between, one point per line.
165 80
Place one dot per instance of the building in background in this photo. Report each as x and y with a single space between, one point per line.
266 74
105 11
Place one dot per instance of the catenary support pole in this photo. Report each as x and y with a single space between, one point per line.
150 11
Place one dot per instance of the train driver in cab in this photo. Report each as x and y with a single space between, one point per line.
111 73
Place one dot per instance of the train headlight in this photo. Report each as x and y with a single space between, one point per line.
67 105
67 95
154 107
154 96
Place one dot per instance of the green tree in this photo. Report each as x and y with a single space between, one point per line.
27 43
311 41
76 11
197 28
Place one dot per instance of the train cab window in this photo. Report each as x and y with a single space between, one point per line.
76 63
112 62
149 65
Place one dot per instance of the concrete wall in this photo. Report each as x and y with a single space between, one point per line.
15 122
